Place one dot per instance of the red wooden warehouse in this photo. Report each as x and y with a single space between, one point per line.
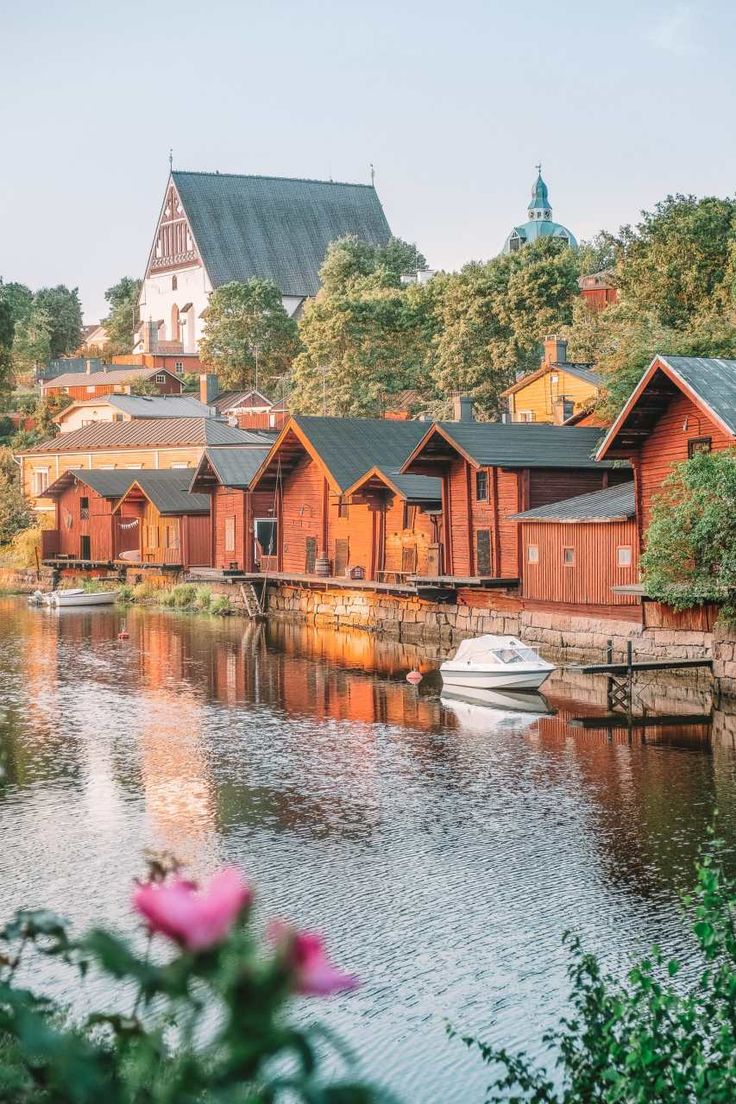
243 529
173 526
86 528
491 471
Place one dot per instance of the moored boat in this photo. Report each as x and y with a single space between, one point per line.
496 663
64 598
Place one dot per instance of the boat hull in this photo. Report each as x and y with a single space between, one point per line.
63 601
530 678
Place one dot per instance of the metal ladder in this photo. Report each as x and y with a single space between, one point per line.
253 604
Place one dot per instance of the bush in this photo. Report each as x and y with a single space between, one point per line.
183 596
205 1023
202 598
657 1038
125 593
142 592
221 605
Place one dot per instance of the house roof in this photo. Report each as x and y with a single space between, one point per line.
107 484
169 492
709 381
146 406
150 433
611 504
275 227
112 375
419 489
580 371
508 445
231 467
250 399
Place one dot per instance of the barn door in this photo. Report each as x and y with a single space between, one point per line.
483 552
310 557
342 556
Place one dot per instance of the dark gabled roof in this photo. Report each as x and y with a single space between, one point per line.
252 399
419 489
107 484
151 433
233 467
274 227
611 504
582 371
713 379
349 447
109 375
157 406
168 490
524 445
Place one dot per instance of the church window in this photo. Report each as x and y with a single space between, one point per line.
174 283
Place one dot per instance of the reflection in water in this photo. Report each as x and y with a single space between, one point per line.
442 845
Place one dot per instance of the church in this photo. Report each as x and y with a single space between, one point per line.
539 222
217 227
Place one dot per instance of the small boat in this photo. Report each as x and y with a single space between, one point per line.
64 598
496 663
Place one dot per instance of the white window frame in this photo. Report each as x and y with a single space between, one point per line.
628 556
532 553
565 561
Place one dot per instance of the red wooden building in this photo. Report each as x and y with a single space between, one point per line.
338 494
251 409
682 405
577 551
173 526
491 471
243 524
118 380
86 528
599 289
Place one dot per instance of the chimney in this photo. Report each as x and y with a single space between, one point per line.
555 351
463 408
208 388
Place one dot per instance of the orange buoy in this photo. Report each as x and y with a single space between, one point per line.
123 634
414 677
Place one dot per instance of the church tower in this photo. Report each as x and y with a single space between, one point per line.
539 222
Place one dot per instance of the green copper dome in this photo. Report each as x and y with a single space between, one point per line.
539 224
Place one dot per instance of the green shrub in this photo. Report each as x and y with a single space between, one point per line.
657 1038
221 605
142 592
202 598
184 595
125 593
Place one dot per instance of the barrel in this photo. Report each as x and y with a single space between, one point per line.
322 567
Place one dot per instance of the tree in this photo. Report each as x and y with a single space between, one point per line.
362 344
350 258
122 321
64 311
18 297
690 552
248 337
143 385
14 512
46 411
7 327
32 341
492 318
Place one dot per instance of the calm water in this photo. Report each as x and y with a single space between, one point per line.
443 847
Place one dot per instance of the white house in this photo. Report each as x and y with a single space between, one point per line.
218 227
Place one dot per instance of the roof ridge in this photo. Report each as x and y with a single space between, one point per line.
265 176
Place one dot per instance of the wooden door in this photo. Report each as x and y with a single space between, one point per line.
310 556
434 560
409 559
84 548
483 552
342 557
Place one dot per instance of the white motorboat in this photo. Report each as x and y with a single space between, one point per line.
506 701
496 663
65 598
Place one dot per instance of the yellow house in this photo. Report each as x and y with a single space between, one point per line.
556 391
128 408
136 445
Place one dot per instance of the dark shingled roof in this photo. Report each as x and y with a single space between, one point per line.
168 490
525 445
349 447
151 433
611 504
582 371
107 484
157 406
713 379
274 227
234 467
116 374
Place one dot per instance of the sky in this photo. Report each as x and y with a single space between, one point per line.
453 103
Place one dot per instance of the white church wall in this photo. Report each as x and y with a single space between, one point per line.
159 297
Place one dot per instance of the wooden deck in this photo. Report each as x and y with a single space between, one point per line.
638 665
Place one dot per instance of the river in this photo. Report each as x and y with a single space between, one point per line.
443 848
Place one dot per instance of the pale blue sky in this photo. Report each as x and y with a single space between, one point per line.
454 103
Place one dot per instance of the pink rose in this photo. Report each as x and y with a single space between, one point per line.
195 919
304 954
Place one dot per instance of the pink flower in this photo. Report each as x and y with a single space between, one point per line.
304 954
195 919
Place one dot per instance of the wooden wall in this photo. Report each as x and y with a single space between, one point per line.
172 386
183 540
541 395
594 572
302 515
105 538
236 509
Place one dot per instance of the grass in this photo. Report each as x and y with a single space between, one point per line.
185 596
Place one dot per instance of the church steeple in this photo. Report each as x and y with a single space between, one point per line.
539 208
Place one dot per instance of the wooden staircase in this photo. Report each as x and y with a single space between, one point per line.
252 602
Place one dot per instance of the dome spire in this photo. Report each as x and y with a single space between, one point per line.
540 206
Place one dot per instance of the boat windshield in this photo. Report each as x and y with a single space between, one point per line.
515 655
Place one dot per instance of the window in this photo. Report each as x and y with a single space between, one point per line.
160 377
229 534
623 556
90 388
118 417
264 531
174 283
568 557
410 516
40 480
699 444
172 535
133 467
87 421
106 467
83 508
342 507
180 465
179 367
526 416
481 486
532 553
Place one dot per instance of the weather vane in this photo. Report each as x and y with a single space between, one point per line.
538 167
171 158
373 174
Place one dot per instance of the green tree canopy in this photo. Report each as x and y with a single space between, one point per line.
32 341
248 338
64 311
349 259
123 318
14 512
